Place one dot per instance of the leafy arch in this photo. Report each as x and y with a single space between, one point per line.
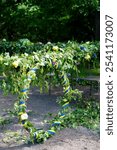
23 69
37 135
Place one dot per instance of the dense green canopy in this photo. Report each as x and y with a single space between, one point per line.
48 20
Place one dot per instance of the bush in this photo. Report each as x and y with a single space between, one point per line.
21 46
26 46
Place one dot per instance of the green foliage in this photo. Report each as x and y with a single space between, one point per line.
26 46
48 20
21 46
90 72
86 114
4 121
22 70
68 56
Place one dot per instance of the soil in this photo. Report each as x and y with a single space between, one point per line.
39 105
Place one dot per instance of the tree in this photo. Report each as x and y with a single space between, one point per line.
43 20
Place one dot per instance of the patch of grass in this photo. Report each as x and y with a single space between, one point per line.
4 121
89 72
86 114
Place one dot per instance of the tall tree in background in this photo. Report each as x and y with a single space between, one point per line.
43 20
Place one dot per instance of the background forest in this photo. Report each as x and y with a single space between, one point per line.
49 20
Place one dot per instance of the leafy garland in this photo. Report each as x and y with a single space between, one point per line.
37 135
22 70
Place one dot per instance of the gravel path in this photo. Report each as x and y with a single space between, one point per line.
67 139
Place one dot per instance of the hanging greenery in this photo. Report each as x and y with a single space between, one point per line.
20 71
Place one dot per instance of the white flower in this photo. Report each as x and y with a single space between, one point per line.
24 116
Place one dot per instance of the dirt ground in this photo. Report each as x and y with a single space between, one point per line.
39 106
